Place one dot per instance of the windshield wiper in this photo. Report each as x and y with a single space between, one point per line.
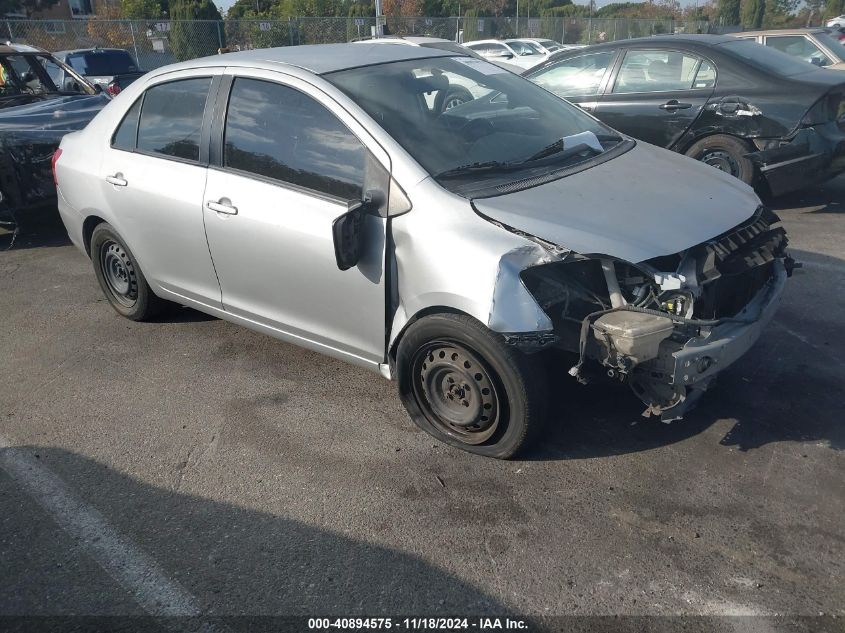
490 165
588 141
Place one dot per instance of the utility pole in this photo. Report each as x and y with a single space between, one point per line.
379 29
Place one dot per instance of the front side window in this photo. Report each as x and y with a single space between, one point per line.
280 133
510 130
656 71
171 118
577 76
798 46
23 74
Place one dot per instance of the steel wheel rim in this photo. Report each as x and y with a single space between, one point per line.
453 102
721 160
119 273
456 392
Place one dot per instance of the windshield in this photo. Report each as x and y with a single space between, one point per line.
100 63
34 75
468 121
550 45
766 58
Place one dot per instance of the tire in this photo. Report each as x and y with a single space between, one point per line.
461 383
120 277
726 153
454 96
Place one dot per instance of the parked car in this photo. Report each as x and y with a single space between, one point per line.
513 52
309 193
111 68
34 115
459 91
836 22
547 47
758 114
819 47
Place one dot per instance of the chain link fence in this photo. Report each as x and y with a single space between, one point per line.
155 43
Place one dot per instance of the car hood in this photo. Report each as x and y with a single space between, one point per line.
645 203
60 114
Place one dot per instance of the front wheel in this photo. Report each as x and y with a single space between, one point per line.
463 384
725 153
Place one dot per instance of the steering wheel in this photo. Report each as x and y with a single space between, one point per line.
475 129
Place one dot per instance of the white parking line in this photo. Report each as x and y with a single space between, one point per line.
136 571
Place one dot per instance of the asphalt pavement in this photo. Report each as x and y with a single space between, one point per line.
190 466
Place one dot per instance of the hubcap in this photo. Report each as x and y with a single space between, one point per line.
119 273
721 160
456 392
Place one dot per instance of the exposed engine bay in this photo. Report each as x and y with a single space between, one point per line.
666 326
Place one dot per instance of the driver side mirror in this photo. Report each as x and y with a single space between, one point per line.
347 230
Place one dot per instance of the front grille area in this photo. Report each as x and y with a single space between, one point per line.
736 265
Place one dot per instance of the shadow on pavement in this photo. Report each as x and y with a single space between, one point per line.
827 198
233 560
44 236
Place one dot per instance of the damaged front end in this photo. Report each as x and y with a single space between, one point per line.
668 325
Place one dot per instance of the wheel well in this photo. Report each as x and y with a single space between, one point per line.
685 148
391 355
88 227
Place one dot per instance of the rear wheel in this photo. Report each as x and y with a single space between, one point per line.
725 153
120 278
464 385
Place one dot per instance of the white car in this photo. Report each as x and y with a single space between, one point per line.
835 23
511 51
545 46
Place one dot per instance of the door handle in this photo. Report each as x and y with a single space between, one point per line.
221 207
117 180
673 105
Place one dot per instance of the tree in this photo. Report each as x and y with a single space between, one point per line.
196 29
27 7
729 12
752 13
140 9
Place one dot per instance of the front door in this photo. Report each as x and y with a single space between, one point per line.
657 94
288 167
577 79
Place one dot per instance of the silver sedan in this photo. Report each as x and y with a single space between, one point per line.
474 254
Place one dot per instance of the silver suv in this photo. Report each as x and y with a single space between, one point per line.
474 254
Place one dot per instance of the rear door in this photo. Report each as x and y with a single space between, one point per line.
153 178
656 94
290 162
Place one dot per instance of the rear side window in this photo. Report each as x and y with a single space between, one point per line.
171 118
280 133
126 133
577 76
656 71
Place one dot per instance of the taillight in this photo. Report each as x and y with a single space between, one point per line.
53 162
113 89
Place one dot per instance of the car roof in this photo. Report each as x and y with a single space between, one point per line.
783 32
317 58
9 47
483 42
97 49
